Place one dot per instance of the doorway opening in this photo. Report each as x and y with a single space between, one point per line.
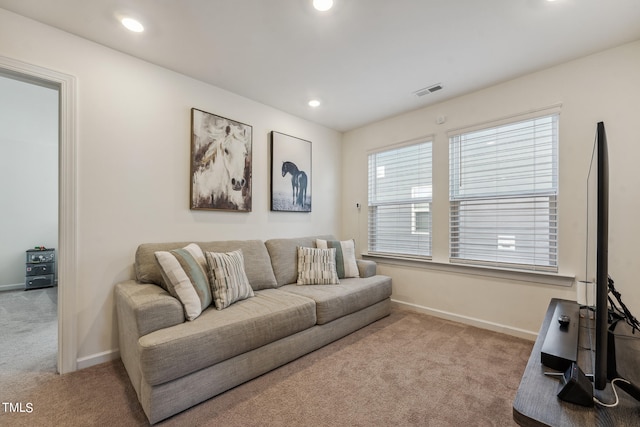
29 146
66 267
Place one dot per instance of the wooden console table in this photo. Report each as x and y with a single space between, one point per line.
537 404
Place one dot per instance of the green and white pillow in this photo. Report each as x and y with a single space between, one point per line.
184 272
229 281
346 265
317 266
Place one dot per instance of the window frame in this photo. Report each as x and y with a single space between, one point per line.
457 200
418 194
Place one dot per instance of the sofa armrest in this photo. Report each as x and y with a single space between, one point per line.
366 268
143 308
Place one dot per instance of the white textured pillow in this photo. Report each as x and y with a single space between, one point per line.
346 265
229 281
317 266
184 272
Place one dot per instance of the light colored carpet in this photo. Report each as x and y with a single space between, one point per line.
408 369
28 333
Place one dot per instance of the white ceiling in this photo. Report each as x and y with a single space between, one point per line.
363 59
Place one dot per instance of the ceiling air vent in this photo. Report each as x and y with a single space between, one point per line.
428 90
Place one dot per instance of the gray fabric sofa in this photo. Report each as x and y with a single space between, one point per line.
174 364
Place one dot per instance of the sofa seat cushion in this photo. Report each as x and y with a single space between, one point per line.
217 335
349 296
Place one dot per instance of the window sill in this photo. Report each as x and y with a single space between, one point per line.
540 277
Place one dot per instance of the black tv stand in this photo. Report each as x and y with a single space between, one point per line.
537 404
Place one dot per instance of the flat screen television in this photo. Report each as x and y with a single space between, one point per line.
616 353
602 259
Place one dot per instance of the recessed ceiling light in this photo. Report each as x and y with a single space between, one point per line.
322 5
132 25
314 103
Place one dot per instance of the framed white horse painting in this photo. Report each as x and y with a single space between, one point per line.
220 163
290 173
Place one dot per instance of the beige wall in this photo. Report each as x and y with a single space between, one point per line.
133 165
606 87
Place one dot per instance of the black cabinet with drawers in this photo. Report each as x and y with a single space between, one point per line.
40 268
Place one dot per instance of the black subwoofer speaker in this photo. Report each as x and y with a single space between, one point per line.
575 387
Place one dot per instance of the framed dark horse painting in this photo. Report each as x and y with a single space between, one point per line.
290 173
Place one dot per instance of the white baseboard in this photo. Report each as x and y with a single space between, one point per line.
13 287
496 327
98 358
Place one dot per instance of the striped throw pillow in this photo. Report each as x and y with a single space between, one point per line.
229 281
317 266
184 272
346 265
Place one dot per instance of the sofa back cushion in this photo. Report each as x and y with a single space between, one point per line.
256 260
284 256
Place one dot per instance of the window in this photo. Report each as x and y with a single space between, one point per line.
400 201
503 195
420 212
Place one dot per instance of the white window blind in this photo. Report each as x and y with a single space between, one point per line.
503 195
400 201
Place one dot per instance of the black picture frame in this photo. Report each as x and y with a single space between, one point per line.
290 173
221 163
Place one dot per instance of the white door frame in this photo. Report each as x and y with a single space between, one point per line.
67 203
